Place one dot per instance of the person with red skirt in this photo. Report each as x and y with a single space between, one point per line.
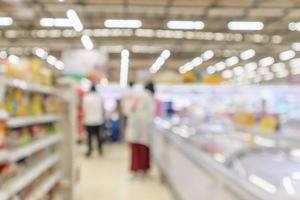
140 119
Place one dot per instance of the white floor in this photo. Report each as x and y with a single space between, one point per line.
107 178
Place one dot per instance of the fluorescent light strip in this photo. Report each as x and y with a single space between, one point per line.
263 184
124 67
75 21
232 61
248 54
6 21
41 53
245 25
186 25
160 61
123 23
287 55
87 42
55 22
294 26
227 74
220 66
264 62
13 59
296 46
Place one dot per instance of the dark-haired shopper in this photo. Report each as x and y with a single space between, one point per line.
93 109
138 129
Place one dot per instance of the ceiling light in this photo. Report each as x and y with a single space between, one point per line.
166 54
266 61
232 61
282 74
296 46
59 65
287 55
6 21
250 66
122 23
278 67
294 26
211 70
197 61
238 71
295 63
207 55
3 54
245 25
187 25
263 70
246 55
51 60
87 42
220 66
227 74
269 76
41 53
124 67
55 22
13 59
74 19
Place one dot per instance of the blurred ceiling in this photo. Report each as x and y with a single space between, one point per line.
147 42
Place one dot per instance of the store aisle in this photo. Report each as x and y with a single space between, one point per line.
107 178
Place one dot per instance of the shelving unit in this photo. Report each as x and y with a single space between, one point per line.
54 162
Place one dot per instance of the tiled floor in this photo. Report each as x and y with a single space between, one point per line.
107 178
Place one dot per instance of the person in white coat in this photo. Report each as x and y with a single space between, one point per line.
138 134
94 118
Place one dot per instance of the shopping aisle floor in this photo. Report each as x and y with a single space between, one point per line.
107 178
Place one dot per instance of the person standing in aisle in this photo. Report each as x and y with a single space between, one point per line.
125 104
140 120
94 118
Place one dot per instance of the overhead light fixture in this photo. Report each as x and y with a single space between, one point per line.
282 74
41 53
197 61
248 54
13 59
294 26
3 55
55 22
207 55
123 23
295 63
211 70
124 67
6 21
245 25
87 42
220 66
232 61
238 71
74 19
287 55
264 62
296 46
186 25
59 65
227 74
160 61
251 66
277 67
51 60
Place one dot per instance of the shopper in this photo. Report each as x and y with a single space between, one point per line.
94 117
140 119
125 104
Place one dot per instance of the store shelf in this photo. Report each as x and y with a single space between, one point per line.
22 181
42 190
30 87
33 147
3 156
16 122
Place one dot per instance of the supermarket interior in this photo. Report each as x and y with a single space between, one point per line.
143 100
